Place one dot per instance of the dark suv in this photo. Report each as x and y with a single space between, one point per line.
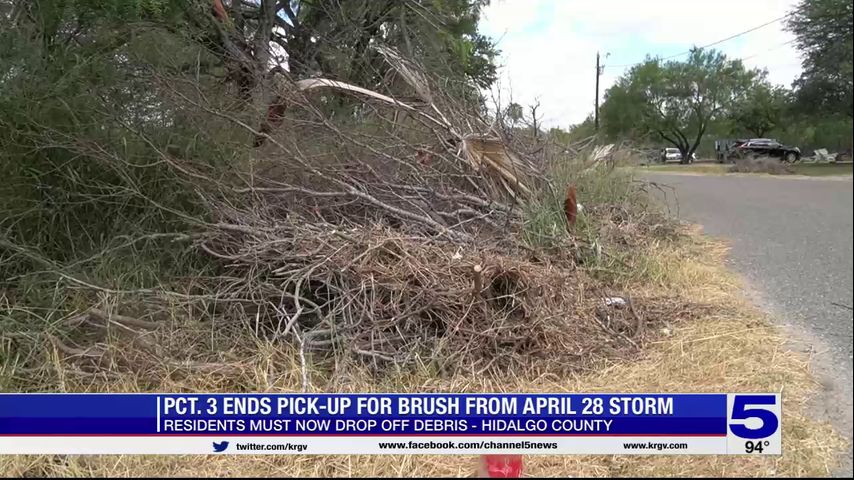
765 147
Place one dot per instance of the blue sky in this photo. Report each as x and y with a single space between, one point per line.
549 46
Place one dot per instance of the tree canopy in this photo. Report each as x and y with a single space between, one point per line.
761 110
257 39
514 112
823 31
676 100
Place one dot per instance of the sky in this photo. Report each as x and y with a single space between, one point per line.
548 47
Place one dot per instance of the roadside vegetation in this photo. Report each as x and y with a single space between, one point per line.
769 166
689 103
176 215
709 339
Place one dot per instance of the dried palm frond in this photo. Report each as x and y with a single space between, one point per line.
482 152
601 152
408 70
493 154
313 83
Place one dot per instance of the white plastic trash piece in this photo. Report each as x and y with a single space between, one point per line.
615 301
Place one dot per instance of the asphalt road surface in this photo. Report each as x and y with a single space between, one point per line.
792 240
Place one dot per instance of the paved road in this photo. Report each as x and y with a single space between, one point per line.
792 239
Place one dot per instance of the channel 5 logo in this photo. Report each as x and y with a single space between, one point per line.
754 416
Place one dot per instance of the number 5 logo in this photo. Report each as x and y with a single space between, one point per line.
740 411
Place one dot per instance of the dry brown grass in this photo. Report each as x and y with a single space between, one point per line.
733 349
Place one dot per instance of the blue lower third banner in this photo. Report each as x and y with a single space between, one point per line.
390 423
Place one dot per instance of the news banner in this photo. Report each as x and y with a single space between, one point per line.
390 423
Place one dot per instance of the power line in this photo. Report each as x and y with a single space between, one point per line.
710 44
769 50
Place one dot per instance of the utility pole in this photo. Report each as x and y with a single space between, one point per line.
596 111
599 70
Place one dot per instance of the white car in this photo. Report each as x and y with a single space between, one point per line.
668 154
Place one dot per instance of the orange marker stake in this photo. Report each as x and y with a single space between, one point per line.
500 466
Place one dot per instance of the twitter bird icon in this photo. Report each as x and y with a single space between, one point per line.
220 447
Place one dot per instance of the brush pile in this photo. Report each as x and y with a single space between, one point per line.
386 298
773 166
386 237
393 241
430 169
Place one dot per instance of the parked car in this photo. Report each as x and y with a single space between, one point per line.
668 154
724 149
765 147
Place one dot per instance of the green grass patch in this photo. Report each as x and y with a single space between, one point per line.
617 224
597 186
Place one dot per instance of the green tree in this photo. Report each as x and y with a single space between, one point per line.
259 38
581 131
515 113
676 100
761 110
823 29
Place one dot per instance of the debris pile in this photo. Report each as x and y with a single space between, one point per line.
385 238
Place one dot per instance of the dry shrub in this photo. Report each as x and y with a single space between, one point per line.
348 235
773 166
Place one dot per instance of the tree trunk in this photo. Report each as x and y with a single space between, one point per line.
696 143
261 47
262 94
